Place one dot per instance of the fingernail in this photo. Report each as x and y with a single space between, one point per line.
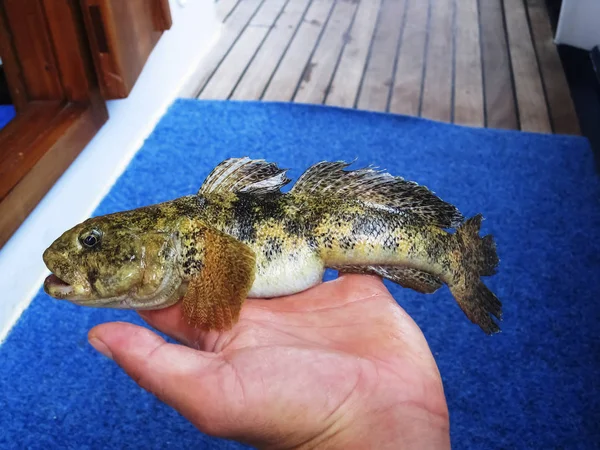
101 347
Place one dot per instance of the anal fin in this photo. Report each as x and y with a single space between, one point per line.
406 277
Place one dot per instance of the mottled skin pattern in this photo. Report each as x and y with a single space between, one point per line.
336 230
267 244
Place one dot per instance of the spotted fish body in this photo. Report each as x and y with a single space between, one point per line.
240 236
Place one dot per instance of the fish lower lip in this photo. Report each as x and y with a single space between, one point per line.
56 287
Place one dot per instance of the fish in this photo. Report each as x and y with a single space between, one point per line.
241 236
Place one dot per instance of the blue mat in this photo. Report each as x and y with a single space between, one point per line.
535 385
7 112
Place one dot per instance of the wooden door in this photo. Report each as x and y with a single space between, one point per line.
122 35
62 60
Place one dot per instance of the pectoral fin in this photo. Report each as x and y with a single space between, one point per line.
220 284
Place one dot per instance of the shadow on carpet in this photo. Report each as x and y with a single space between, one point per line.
535 385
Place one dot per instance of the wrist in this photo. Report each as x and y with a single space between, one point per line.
398 427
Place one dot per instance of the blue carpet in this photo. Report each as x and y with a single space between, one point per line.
7 112
535 385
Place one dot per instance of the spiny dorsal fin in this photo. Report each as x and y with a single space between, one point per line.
245 175
379 189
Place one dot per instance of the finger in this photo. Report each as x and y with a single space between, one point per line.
347 288
184 378
172 322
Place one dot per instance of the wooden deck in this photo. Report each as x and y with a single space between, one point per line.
484 63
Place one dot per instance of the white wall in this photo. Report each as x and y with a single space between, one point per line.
579 24
167 75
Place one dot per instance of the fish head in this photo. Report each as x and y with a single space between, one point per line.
122 260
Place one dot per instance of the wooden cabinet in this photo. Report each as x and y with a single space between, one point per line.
63 59
122 35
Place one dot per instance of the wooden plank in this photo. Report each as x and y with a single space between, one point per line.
15 164
233 28
315 83
406 95
437 88
225 79
468 83
122 35
500 107
295 61
563 116
161 15
531 101
59 139
346 82
11 66
31 39
224 8
257 75
71 48
19 153
378 78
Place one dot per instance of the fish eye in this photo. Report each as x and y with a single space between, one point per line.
91 239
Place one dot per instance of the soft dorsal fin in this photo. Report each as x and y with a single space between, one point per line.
245 175
379 189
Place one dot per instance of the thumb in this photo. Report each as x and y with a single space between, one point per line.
184 378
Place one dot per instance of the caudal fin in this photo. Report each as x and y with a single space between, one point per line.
478 257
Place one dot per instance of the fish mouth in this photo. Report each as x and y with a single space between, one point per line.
61 290
59 284
57 287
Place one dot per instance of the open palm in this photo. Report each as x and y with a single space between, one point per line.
337 366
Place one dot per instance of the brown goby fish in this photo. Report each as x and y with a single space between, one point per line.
240 236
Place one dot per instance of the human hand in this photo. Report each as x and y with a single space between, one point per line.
338 366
